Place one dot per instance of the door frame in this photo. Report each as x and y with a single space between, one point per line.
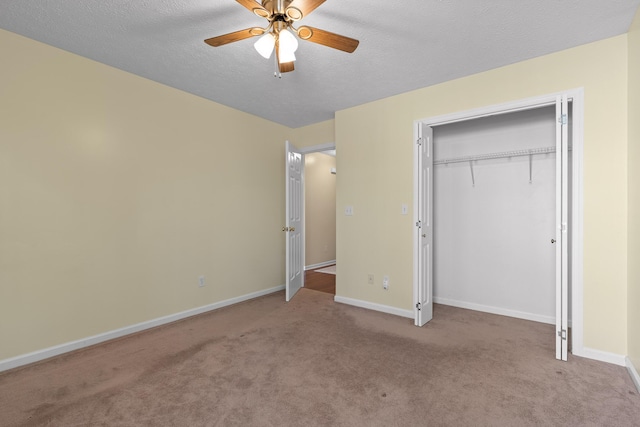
577 192
304 151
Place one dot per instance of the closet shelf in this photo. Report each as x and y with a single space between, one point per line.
502 155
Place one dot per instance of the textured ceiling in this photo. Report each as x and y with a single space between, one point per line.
404 45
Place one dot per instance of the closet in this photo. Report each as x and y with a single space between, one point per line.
494 215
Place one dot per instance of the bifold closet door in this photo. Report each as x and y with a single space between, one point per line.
561 240
424 225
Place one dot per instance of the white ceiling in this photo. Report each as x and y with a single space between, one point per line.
404 45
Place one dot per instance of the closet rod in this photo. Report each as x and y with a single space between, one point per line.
504 154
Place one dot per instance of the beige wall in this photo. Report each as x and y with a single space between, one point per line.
319 208
116 193
374 143
633 301
316 134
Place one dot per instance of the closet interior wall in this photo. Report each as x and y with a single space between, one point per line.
494 219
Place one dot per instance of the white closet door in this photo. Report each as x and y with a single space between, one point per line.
561 240
424 225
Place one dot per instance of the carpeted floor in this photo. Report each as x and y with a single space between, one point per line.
315 362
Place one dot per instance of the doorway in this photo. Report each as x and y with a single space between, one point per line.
452 254
310 208
320 221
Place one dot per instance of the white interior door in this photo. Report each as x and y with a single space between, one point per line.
561 240
424 225
294 214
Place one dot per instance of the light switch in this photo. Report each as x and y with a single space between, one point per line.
404 209
348 211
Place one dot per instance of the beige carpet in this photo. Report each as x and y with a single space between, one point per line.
315 362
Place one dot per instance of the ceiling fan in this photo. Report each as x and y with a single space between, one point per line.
278 35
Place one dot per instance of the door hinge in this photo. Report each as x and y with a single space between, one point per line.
419 306
419 141
562 334
419 224
562 119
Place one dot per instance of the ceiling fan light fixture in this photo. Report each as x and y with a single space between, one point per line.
285 56
280 34
287 42
265 45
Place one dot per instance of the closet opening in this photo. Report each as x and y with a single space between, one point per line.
495 214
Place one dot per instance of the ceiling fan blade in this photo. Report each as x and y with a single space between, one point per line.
298 9
234 37
255 7
286 67
326 38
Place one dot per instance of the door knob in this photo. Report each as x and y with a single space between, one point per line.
553 240
292 229
285 228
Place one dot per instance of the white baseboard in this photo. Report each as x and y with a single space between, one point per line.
46 353
374 306
497 310
633 373
602 356
319 265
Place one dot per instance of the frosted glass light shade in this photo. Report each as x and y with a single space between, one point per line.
287 45
286 56
287 41
265 45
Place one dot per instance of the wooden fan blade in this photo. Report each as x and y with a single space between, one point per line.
255 7
298 9
286 67
234 37
326 38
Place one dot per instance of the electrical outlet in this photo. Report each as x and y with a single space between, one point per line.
201 281
385 283
371 279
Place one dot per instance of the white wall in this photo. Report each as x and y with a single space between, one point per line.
492 241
